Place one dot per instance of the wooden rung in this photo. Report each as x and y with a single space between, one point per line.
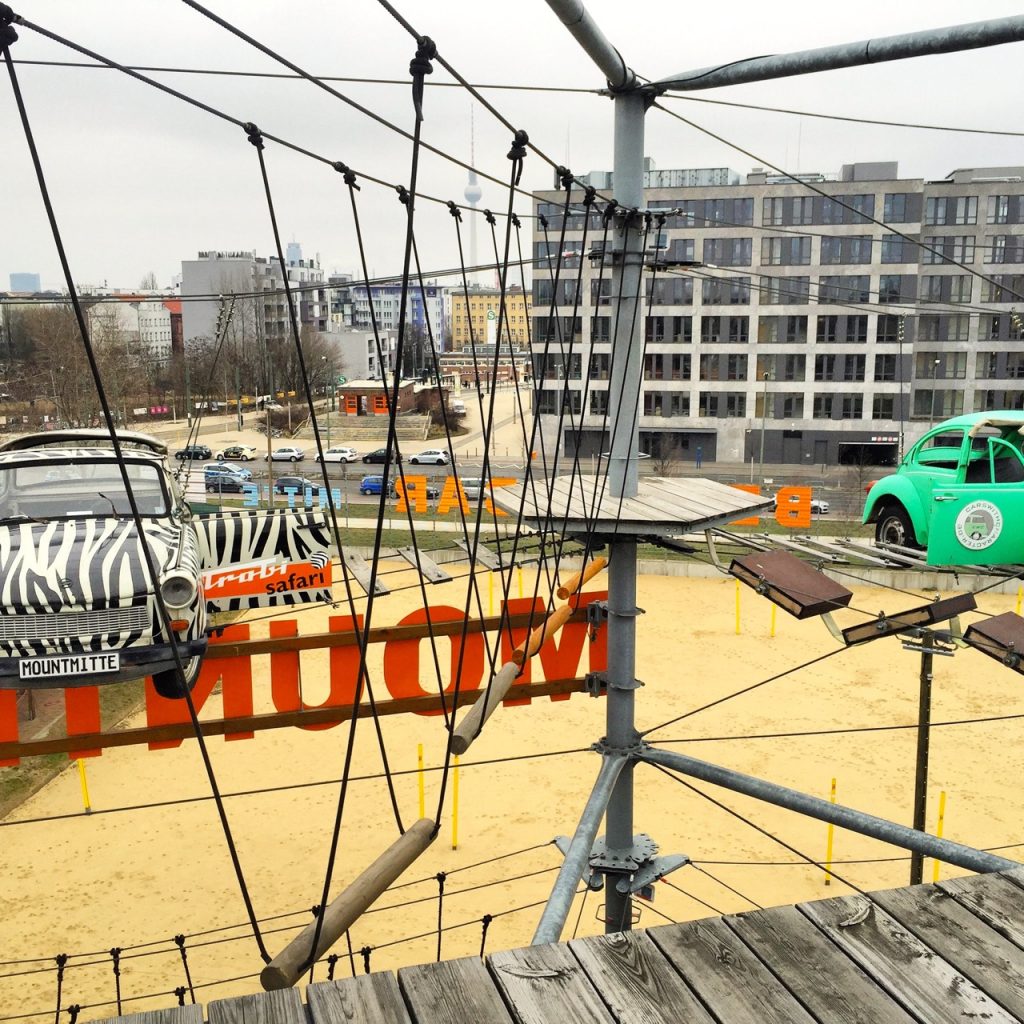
489 699
345 909
547 629
576 582
428 568
360 569
488 559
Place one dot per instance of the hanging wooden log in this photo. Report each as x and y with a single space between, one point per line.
576 582
489 699
287 967
547 629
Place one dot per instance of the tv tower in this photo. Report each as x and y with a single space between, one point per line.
472 195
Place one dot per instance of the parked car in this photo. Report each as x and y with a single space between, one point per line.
339 453
373 484
380 455
959 492
77 604
819 506
221 479
473 486
288 453
229 467
243 452
298 484
194 451
432 456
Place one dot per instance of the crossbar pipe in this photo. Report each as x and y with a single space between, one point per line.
846 817
950 39
573 15
345 909
577 857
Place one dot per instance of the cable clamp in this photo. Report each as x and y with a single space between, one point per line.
595 683
255 135
597 615
454 210
348 173
403 194
489 217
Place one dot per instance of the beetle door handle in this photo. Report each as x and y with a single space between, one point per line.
947 497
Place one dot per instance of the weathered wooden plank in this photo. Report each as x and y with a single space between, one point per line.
426 566
547 983
993 963
814 969
366 999
914 975
636 981
487 558
283 1007
360 569
731 982
174 1015
452 992
995 899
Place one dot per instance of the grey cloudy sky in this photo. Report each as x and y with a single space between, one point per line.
141 181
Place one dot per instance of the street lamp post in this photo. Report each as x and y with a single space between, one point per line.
764 417
931 413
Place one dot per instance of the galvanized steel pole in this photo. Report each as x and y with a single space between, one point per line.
845 817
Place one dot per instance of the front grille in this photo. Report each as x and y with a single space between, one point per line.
62 625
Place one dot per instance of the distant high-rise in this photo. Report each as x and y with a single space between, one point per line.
25 283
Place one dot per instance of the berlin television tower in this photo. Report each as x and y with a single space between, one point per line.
472 195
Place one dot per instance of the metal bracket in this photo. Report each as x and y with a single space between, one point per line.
832 627
593 880
595 683
597 615
653 871
625 860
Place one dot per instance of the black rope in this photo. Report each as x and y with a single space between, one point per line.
365 953
163 614
73 1011
61 958
697 899
579 916
179 941
440 876
180 993
332 962
485 922
315 911
115 955
351 953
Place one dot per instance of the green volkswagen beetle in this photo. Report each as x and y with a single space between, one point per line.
959 492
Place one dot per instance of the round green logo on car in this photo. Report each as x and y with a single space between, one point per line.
978 525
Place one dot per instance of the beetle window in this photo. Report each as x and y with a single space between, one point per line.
941 451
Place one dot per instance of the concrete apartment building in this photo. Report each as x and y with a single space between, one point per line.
477 319
802 321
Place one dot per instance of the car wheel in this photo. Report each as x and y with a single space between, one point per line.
415 462
894 527
440 462
363 490
167 684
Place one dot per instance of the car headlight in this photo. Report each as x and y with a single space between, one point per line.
178 590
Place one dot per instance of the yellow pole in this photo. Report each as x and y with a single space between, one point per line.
831 835
772 631
737 607
419 766
1020 594
520 583
455 804
85 786
938 831
490 593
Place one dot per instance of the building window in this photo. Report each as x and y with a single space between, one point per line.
785 291
948 248
825 367
599 403
844 329
1004 248
938 404
943 327
600 291
600 329
851 407
720 291
675 329
723 367
730 329
940 365
666 403
883 407
951 210
659 366
897 249
885 367
823 405
728 252
897 288
901 207
946 288
846 249
845 288
1006 209
781 366
791 251
1003 288
776 330
722 404
670 291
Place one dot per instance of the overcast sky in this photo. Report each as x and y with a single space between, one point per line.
141 180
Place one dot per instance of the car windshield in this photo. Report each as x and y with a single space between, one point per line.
79 488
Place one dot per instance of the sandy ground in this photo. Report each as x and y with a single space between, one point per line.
142 875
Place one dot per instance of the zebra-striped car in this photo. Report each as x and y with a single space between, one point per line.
77 604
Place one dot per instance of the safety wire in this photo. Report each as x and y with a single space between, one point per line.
418 68
8 37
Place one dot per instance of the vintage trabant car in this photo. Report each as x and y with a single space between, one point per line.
77 602
959 492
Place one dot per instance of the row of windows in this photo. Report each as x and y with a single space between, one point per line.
777 330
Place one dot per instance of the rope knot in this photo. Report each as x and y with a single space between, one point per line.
419 67
543 221
365 954
255 135
515 220
7 32
589 196
403 194
489 217
332 962
180 993
517 154
179 941
454 210
348 174
565 176
609 212
115 955
73 1011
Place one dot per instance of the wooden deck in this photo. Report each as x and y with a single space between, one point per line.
930 954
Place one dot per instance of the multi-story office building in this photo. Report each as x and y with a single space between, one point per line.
477 320
774 315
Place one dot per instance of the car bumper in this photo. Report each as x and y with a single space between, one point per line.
135 662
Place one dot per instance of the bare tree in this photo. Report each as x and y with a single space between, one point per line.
149 282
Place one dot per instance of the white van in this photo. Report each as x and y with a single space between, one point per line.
457 406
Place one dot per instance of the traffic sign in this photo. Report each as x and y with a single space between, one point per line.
342 380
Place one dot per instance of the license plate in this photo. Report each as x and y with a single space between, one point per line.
69 665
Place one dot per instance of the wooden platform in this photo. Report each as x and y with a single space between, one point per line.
932 954
662 505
